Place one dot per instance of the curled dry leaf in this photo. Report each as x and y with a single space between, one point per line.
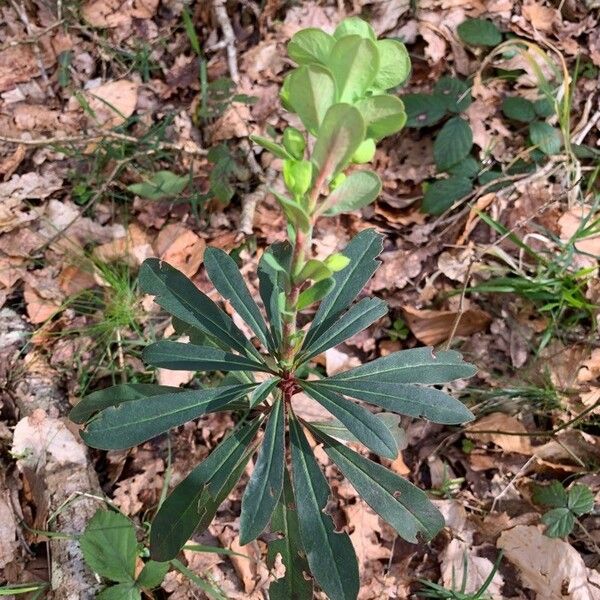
185 253
550 567
434 326
113 102
134 248
498 421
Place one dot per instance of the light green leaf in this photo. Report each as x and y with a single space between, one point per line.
137 421
193 503
454 92
354 26
401 504
340 134
518 109
359 189
547 138
109 545
367 428
384 115
314 269
453 143
580 499
309 46
274 267
122 591
189 357
330 554
311 93
423 110
293 210
443 193
315 292
405 399
160 185
115 395
354 62
287 545
273 147
417 365
362 251
227 279
479 32
152 574
181 298
358 317
262 391
264 488
394 64
559 522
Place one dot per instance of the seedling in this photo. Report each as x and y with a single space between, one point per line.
566 506
338 91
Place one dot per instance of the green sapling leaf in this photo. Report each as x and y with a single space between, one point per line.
294 142
394 64
384 115
359 189
276 149
314 293
310 46
354 26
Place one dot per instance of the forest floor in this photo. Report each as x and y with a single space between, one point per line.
124 134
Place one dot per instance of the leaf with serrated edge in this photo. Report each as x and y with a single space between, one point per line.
227 279
417 365
358 317
285 522
181 298
368 429
329 553
190 357
401 504
406 399
265 485
362 251
178 516
137 421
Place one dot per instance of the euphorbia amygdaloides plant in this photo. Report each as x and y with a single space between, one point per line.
339 92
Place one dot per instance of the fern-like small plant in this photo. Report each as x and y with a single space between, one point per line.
339 92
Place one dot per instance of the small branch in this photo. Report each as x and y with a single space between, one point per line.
228 38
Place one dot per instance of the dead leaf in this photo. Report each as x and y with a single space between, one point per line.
30 186
365 525
112 102
590 369
498 421
133 493
185 253
550 567
38 309
434 326
570 223
9 164
541 17
8 530
114 13
134 247
233 123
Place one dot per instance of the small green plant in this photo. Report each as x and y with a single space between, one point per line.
434 590
450 486
565 506
339 92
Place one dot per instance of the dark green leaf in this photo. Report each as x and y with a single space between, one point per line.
293 585
453 143
265 485
122 591
359 317
580 500
182 299
354 62
417 365
115 395
309 46
454 92
273 272
362 251
401 504
189 357
547 138
139 420
228 281
193 503
423 110
109 545
330 554
559 522
359 189
261 392
340 134
294 211
152 574
317 291
479 32
394 64
367 428
384 115
544 107
443 193
518 109
405 399
311 93
468 167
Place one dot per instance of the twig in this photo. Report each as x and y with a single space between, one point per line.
509 485
228 38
